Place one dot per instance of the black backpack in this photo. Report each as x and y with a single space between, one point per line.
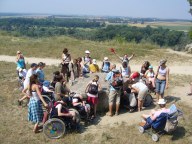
117 80
93 89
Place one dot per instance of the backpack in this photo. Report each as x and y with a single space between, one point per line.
117 80
93 89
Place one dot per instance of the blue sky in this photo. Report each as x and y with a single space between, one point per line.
132 8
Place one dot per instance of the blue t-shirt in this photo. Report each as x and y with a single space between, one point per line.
109 78
41 75
106 66
21 63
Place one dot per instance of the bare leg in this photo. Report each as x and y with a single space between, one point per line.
139 105
117 109
110 109
157 96
35 129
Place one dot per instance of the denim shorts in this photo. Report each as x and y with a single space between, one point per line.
160 86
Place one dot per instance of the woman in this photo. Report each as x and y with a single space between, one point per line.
162 79
40 72
86 62
66 58
92 90
35 111
155 113
105 65
20 61
145 67
150 75
125 71
61 89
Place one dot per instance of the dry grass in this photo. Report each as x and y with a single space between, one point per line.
16 129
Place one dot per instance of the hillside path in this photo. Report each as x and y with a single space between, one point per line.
174 69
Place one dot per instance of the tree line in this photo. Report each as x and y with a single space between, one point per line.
97 31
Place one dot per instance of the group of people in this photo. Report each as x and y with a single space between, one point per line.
120 80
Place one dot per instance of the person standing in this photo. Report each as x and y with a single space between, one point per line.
66 58
35 111
162 79
115 80
20 61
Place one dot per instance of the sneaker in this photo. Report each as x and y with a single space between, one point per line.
116 113
19 103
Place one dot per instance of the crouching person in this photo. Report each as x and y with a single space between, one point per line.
140 88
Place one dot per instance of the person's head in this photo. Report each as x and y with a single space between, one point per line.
106 59
150 68
79 59
65 50
146 64
56 73
124 64
162 103
18 52
162 62
33 66
94 61
135 76
20 70
125 56
33 80
59 78
113 66
87 53
96 78
75 61
41 65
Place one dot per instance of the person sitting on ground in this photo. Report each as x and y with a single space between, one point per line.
30 72
145 67
94 68
140 88
54 81
150 75
162 79
115 80
35 111
61 89
20 61
105 65
155 113
86 61
92 90
66 58
40 73
189 94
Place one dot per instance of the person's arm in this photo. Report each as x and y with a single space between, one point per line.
24 91
40 96
97 68
59 108
131 57
145 75
167 78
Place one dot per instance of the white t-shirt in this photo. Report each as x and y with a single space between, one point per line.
27 78
23 73
139 85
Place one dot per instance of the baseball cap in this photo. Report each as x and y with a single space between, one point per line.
150 67
33 65
135 75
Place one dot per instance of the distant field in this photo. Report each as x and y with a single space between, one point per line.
179 26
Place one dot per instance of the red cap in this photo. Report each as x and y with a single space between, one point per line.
135 75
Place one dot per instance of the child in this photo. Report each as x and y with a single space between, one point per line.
92 93
106 65
94 67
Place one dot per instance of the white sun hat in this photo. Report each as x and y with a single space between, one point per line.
162 101
94 61
106 58
87 52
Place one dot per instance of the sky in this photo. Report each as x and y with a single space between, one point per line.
131 8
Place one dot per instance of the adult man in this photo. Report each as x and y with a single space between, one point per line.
115 79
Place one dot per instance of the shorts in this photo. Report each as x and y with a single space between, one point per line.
114 95
160 86
92 100
142 94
